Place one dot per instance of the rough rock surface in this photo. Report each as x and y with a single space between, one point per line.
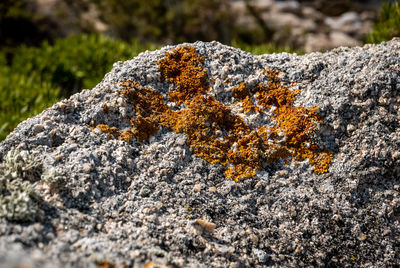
155 202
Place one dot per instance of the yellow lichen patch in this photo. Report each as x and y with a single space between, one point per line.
274 93
242 94
104 264
296 123
144 128
126 135
182 67
148 105
113 132
213 131
146 101
153 264
321 161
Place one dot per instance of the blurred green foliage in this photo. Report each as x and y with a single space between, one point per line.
11 8
39 76
388 25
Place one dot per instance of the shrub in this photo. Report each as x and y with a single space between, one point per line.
21 96
38 77
75 62
388 25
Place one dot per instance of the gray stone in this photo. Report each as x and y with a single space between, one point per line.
132 203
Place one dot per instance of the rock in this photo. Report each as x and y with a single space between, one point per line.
351 23
312 25
261 255
262 5
281 20
202 226
212 157
342 39
347 22
288 6
315 42
312 13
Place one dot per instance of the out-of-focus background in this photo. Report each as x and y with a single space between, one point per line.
51 49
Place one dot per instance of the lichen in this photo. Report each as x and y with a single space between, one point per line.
52 178
183 67
20 173
105 107
213 131
296 123
19 201
242 94
114 132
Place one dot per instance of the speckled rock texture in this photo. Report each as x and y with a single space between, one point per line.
156 203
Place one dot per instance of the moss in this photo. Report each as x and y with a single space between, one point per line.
213 131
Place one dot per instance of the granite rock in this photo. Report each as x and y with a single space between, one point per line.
155 202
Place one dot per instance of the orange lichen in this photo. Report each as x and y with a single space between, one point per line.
242 93
153 264
105 107
113 132
126 135
104 264
213 131
296 123
183 68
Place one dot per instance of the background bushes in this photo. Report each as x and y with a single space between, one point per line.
388 25
39 76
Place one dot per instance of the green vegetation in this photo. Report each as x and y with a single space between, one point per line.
388 25
162 22
38 77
